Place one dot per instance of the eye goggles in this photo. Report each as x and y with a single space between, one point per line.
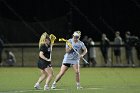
76 37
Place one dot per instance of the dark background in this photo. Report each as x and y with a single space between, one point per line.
23 21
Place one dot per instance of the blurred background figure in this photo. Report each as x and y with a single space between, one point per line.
85 41
92 53
117 48
137 47
104 46
1 49
10 58
128 48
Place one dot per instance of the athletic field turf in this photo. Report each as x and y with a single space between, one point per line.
94 80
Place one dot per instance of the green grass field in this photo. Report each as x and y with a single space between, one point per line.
94 80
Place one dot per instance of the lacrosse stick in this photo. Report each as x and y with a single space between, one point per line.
52 38
70 45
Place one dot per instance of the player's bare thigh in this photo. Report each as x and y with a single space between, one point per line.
75 67
63 69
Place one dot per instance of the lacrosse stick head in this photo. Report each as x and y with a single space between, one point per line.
52 38
67 42
62 39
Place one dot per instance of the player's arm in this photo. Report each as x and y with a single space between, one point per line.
14 58
41 55
84 52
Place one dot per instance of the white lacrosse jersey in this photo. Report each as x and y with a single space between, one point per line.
72 56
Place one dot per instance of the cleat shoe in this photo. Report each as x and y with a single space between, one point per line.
133 65
53 86
46 87
37 86
79 87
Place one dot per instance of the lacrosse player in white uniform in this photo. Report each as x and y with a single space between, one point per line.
72 58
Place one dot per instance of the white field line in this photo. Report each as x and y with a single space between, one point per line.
33 90
93 88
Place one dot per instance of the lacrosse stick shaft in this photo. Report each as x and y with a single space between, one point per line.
79 55
51 53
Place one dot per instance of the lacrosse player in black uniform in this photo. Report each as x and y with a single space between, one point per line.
44 63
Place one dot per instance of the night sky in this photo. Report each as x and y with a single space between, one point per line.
92 17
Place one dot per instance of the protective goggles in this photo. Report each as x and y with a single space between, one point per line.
76 37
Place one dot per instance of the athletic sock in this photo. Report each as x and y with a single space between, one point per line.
37 83
78 84
54 82
46 85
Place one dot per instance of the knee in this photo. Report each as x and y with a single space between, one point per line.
44 75
77 72
50 75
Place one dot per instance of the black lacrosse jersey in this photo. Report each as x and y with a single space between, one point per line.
46 50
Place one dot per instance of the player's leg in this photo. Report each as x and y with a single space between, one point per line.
127 56
94 62
118 57
49 71
41 78
77 72
0 57
61 73
63 69
131 58
117 61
